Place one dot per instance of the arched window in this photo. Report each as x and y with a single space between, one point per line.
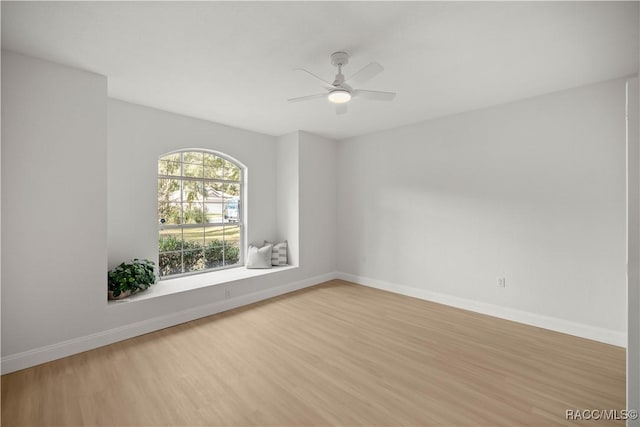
200 218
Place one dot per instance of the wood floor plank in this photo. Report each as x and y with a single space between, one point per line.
336 354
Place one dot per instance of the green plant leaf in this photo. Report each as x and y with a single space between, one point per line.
133 276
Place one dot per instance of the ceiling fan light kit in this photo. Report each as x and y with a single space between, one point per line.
340 92
339 96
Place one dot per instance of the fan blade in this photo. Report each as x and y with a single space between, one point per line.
365 74
374 95
341 108
325 83
308 97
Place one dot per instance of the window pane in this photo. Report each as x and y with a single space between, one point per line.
213 212
209 158
170 263
192 171
170 240
231 253
170 248
194 157
232 210
193 260
231 171
214 167
232 190
168 168
192 213
193 237
211 172
192 191
171 157
232 233
214 254
170 213
213 235
213 192
168 190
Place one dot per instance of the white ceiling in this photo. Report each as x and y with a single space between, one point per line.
231 62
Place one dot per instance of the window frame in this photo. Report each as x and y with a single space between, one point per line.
241 222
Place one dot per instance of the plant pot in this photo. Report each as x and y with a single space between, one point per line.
122 295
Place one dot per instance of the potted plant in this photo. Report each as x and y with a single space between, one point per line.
131 277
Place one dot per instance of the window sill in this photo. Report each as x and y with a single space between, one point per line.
184 284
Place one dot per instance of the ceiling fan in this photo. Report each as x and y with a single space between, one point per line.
340 92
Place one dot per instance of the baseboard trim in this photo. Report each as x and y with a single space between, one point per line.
16 362
554 324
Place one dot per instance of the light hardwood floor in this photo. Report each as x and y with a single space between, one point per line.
333 354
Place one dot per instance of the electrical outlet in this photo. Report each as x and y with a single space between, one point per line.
502 282
227 293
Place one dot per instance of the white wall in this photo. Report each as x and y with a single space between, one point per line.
54 242
288 194
57 136
307 184
318 202
533 191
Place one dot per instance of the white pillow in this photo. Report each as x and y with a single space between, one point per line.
279 253
259 257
